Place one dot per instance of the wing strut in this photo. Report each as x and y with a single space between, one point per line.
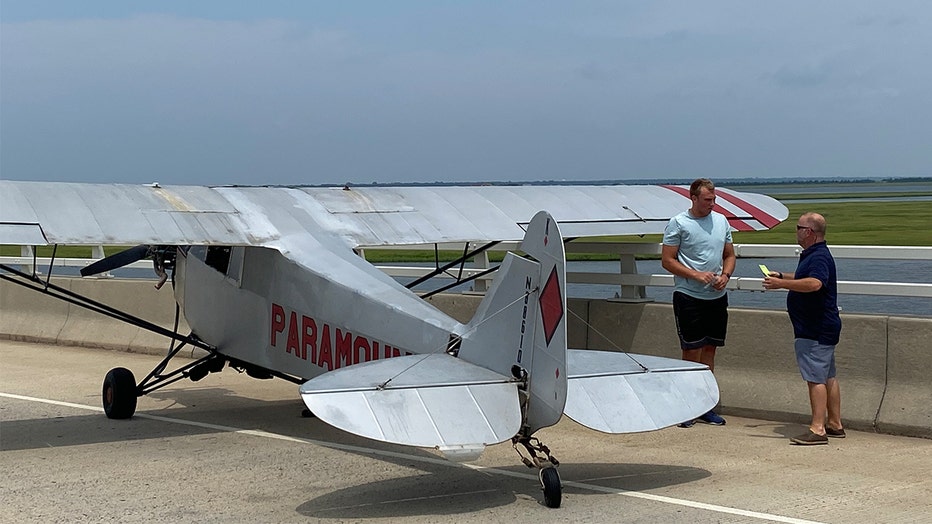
459 282
459 261
46 287
120 387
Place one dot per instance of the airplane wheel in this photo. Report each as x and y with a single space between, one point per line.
553 490
119 393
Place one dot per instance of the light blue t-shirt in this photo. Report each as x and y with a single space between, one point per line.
701 242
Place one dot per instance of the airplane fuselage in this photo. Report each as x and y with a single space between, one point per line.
257 306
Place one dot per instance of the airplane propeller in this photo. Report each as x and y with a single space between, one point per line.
163 259
116 260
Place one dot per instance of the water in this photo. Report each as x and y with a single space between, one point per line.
865 270
862 199
848 269
828 189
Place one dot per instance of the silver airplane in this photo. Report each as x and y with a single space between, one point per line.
271 282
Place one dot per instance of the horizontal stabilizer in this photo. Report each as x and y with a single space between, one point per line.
627 393
434 400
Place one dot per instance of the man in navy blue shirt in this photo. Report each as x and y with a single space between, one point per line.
812 302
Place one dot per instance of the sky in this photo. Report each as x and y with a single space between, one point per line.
284 92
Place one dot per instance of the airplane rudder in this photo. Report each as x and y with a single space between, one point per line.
548 374
524 309
543 240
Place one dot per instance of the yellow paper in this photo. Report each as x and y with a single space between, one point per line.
764 270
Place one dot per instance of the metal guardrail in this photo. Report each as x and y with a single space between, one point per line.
630 282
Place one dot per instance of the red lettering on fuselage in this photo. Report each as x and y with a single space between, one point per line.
326 350
344 347
361 350
292 346
308 337
328 347
278 322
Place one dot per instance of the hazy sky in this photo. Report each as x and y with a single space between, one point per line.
287 92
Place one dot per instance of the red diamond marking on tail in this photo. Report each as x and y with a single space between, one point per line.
551 305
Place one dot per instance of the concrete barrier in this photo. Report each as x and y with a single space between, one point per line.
32 316
907 405
883 362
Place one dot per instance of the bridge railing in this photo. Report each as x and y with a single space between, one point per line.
631 283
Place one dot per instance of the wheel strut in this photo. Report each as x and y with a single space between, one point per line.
539 457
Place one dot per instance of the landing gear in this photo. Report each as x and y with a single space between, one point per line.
553 490
120 390
119 393
540 457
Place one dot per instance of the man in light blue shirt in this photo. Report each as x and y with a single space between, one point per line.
698 250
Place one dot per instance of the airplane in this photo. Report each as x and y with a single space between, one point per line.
271 282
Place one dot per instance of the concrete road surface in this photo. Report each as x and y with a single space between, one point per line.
233 449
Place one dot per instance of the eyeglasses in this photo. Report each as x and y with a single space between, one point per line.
800 228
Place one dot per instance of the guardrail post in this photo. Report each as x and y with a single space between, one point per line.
97 253
631 293
481 261
27 252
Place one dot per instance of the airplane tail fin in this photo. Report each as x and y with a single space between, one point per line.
520 326
460 405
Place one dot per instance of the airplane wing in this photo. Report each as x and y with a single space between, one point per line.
38 213
627 393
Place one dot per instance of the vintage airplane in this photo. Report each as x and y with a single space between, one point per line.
270 282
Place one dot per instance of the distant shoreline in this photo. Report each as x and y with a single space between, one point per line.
725 182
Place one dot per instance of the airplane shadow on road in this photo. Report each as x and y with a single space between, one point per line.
441 489
192 408
448 491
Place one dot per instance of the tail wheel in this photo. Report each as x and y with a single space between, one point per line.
119 393
553 490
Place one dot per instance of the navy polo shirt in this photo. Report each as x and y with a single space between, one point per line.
815 315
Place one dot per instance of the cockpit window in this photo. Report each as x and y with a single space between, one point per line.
225 259
218 257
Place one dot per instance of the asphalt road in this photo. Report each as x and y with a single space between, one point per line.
233 449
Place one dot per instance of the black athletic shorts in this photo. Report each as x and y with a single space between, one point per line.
700 322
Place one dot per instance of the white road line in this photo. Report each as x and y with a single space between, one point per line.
412 499
429 460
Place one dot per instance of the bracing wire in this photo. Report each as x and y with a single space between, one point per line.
443 348
615 346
